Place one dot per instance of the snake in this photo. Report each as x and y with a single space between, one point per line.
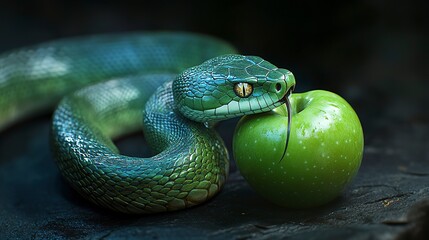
174 86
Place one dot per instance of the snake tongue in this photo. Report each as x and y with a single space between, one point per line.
285 99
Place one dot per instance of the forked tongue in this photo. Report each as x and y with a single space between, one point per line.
289 117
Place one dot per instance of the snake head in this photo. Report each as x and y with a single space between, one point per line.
230 86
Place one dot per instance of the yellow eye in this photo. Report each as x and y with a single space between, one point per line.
243 89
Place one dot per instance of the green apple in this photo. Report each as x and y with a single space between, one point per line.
323 155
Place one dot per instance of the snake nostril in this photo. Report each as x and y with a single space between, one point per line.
278 87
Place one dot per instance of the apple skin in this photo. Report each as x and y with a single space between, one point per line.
324 153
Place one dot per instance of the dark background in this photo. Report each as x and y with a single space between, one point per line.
373 53
359 49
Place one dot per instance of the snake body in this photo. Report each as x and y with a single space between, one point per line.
169 84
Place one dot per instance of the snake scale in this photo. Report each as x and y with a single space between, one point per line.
174 86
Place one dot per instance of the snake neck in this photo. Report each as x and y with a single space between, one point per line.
163 105
162 123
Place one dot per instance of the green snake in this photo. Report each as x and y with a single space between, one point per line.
175 86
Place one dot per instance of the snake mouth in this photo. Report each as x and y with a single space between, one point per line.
285 98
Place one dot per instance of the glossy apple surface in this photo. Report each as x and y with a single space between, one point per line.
324 153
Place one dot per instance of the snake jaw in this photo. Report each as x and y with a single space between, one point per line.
285 98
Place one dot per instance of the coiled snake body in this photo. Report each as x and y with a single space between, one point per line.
169 84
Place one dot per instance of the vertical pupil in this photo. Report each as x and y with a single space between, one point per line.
243 89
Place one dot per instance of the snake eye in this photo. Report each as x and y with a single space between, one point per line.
243 89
